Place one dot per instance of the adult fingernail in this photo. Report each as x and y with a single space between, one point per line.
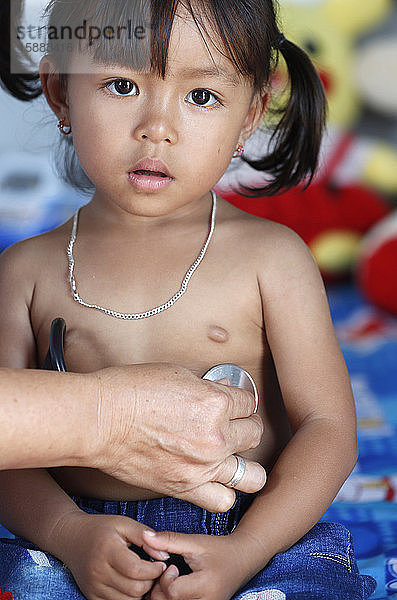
164 555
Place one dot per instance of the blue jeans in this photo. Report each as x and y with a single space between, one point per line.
320 566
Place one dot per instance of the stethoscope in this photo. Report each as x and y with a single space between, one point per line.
55 358
55 361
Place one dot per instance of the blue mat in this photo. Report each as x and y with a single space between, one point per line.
367 503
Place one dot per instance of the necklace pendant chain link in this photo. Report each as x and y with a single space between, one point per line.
153 311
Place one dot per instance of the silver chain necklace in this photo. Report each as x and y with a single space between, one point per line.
152 311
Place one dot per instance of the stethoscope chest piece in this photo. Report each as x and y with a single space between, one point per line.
237 376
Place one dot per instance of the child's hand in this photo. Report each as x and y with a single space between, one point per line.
217 563
96 550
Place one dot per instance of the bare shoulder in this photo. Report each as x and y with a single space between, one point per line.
283 265
274 247
22 264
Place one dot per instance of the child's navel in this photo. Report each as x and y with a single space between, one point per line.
217 334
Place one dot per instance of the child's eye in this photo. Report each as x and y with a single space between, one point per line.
202 98
122 87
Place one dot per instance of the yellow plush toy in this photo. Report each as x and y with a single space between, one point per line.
328 30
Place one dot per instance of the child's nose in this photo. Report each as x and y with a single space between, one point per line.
157 126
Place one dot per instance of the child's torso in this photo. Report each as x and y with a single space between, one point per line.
218 320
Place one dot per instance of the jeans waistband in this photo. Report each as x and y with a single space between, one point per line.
171 514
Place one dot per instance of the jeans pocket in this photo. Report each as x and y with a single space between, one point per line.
332 542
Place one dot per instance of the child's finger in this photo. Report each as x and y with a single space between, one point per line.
161 590
188 587
127 586
157 555
128 564
131 532
110 593
156 593
170 541
167 579
146 553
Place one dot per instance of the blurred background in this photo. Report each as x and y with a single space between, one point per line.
348 217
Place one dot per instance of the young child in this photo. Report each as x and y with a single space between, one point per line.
154 134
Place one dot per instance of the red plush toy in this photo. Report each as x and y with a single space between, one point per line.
376 268
330 219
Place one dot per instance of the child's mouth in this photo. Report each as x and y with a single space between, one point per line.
150 173
149 181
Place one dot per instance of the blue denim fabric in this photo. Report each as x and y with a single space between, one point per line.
320 566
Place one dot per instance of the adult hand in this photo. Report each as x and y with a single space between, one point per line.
162 428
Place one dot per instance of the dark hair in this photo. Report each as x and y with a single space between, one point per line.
247 32
26 86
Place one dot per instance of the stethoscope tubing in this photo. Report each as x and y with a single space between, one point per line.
55 358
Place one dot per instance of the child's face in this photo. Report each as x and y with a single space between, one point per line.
191 121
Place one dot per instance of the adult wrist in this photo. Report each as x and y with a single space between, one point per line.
87 445
112 415
96 443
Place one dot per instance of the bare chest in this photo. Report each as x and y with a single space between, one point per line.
218 319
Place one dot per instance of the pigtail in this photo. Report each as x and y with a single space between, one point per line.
296 140
24 86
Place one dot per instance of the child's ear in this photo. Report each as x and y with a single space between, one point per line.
256 112
53 89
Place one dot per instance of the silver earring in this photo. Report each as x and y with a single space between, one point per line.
65 129
238 151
